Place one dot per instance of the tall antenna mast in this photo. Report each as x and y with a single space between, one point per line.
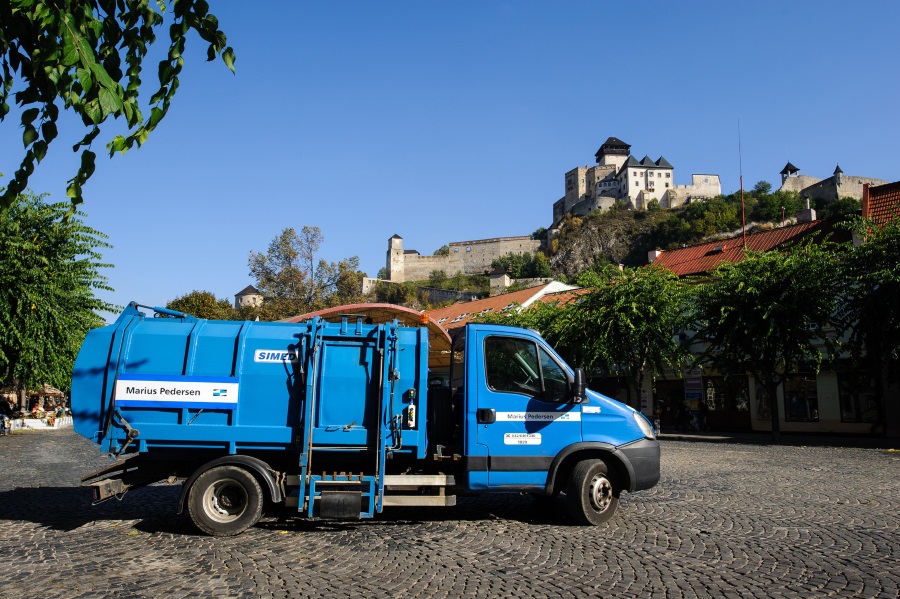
741 169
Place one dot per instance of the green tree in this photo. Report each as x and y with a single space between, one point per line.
625 325
870 279
523 265
436 278
50 265
87 56
401 294
769 314
762 188
769 208
203 304
444 250
628 324
339 283
293 281
837 207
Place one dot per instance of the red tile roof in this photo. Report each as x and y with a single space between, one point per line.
883 202
460 314
705 257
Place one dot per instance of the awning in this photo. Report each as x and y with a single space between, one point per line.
438 339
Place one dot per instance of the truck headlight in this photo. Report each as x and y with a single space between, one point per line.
645 425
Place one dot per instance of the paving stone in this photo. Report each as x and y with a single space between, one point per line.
726 520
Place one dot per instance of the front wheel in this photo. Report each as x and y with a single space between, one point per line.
591 494
225 501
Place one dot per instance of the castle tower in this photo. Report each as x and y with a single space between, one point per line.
838 175
395 259
614 151
789 170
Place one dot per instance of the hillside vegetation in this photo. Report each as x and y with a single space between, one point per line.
622 236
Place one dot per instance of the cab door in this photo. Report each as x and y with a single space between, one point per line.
524 415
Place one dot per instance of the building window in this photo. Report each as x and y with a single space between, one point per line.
859 401
668 175
667 184
801 402
468 249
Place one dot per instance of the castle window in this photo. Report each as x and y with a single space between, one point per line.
468 249
667 184
668 175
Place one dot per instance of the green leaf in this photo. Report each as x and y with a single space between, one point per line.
29 115
85 79
117 144
228 57
110 103
103 77
40 150
30 136
156 115
87 163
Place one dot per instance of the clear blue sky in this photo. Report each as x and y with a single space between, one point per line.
449 121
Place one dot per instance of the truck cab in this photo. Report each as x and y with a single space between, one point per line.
531 425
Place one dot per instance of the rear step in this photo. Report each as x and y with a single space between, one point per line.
437 484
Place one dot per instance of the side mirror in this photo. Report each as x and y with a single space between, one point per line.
578 387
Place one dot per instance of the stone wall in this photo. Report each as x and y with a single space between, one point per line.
850 187
467 257
702 187
797 182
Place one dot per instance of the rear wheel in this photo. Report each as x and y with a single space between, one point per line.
225 501
591 494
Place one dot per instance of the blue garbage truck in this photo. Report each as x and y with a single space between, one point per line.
341 419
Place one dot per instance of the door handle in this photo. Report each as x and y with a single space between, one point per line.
487 416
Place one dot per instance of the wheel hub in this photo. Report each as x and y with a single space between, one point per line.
600 493
225 500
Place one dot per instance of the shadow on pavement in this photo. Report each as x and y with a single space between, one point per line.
154 510
69 508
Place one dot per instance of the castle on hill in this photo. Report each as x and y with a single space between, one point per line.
620 177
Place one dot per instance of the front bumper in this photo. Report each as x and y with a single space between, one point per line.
642 459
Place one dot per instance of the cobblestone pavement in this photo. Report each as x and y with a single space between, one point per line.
727 520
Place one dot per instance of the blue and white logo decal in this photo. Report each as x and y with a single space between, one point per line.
274 356
166 391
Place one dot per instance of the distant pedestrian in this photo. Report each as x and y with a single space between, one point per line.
703 410
5 417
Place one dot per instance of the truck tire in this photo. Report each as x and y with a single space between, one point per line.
225 501
591 494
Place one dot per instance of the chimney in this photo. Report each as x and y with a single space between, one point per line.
652 255
806 216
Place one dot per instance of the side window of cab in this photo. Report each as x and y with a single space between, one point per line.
515 365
